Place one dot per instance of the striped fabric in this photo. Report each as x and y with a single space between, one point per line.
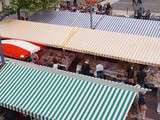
53 96
130 26
102 22
66 18
124 47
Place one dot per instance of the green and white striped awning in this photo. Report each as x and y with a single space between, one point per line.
53 96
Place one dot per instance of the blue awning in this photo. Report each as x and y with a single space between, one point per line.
102 22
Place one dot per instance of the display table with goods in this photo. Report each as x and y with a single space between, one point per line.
153 78
112 70
49 57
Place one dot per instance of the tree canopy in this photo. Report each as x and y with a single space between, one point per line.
32 5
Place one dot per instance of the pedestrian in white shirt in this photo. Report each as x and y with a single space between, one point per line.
100 71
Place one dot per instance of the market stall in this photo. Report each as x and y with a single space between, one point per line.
19 49
50 57
90 44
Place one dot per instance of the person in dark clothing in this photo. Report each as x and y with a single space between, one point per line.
130 75
134 2
130 72
10 115
139 1
108 9
147 15
85 70
75 3
141 75
142 106
140 13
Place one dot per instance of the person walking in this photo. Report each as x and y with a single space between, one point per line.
134 5
142 106
139 1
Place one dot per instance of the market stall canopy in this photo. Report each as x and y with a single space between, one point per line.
47 94
131 26
18 49
125 47
73 19
131 48
35 32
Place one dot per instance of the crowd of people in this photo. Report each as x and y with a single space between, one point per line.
84 8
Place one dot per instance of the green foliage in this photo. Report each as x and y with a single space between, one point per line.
32 5
47 4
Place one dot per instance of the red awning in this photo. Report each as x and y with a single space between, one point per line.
19 49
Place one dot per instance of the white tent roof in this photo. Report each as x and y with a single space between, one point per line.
131 48
53 35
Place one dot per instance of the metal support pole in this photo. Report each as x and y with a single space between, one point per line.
1 53
91 17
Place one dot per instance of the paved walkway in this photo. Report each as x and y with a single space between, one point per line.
153 5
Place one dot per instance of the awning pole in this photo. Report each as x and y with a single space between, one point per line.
91 17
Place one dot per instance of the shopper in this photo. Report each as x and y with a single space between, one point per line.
100 71
141 75
130 75
78 68
140 13
147 15
108 9
86 68
142 106
139 1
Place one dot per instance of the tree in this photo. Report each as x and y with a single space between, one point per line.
46 4
31 5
